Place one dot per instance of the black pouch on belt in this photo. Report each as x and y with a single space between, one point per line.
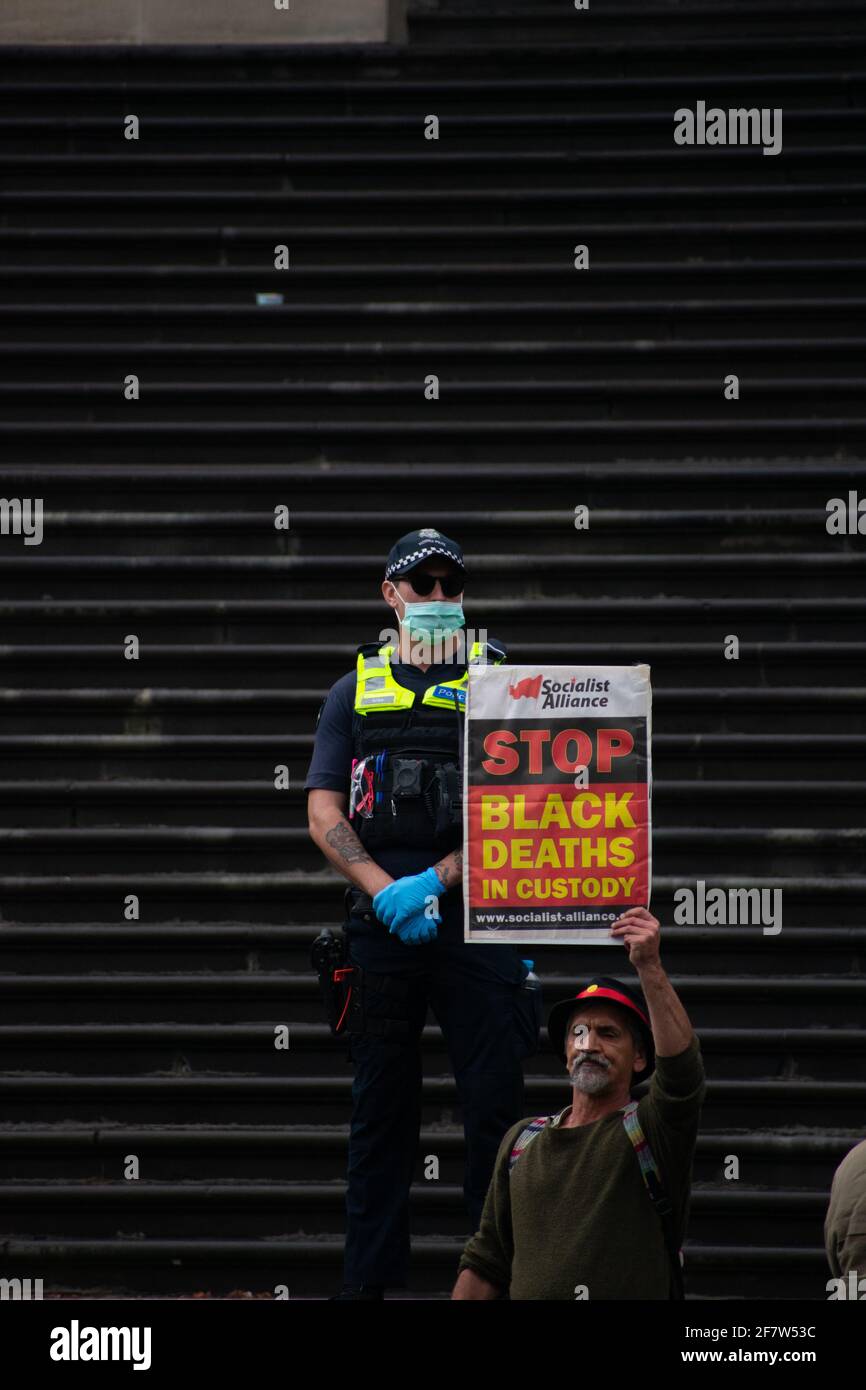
339 981
359 904
362 1002
378 1004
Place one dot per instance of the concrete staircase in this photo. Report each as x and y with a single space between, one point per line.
155 777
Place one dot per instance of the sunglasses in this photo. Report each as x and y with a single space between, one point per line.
424 583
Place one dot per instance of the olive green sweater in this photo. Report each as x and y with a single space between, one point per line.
575 1210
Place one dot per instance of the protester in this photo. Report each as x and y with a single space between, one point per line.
576 1205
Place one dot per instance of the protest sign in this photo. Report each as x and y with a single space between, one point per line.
556 801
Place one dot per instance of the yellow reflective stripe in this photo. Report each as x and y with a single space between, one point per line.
375 686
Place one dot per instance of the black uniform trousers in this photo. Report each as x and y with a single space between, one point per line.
490 1023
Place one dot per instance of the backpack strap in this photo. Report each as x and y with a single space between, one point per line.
649 1172
525 1137
657 1193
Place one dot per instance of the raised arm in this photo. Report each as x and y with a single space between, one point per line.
639 932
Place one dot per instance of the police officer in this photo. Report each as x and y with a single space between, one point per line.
385 807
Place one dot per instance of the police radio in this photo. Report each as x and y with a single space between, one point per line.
329 959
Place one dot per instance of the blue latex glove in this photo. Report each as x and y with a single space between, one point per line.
415 931
406 897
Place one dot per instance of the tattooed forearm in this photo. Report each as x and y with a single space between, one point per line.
449 870
343 839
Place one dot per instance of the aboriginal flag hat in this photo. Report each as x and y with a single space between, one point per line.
608 991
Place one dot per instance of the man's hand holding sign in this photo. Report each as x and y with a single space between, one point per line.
556 801
639 933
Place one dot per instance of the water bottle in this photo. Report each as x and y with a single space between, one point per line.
533 1011
532 981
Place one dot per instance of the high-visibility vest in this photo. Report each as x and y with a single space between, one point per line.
410 742
376 687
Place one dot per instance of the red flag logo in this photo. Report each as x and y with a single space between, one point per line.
529 686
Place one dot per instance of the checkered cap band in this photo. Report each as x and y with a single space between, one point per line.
411 560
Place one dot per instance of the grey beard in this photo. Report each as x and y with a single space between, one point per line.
589 1080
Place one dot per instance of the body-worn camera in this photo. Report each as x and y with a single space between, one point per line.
406 777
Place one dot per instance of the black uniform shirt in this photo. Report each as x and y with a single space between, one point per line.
331 765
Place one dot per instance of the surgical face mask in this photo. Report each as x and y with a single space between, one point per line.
432 621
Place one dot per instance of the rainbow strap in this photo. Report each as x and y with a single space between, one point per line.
639 1141
632 1128
640 1144
525 1137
